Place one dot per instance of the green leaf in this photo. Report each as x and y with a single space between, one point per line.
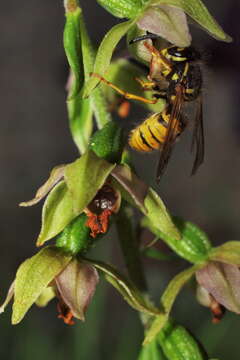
193 245
197 10
122 8
105 52
33 276
228 253
55 176
159 216
168 299
57 213
84 177
126 288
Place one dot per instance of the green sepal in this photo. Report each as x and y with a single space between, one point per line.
228 253
167 301
122 8
97 100
177 343
72 46
126 288
193 244
57 213
84 177
198 12
46 296
132 189
75 238
33 276
108 143
81 121
79 110
105 52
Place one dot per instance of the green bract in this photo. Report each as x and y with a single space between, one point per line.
152 351
82 180
126 288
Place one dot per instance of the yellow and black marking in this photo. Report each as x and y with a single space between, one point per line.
151 134
176 77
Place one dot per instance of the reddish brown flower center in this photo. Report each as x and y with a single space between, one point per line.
64 313
100 209
217 310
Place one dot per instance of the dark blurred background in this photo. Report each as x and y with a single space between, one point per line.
34 137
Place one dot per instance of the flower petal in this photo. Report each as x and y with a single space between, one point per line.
134 188
222 281
168 22
76 285
47 295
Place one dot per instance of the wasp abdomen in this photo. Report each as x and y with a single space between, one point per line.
151 134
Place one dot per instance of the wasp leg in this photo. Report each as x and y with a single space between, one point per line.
146 85
125 94
158 62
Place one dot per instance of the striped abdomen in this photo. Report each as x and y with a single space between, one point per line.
150 135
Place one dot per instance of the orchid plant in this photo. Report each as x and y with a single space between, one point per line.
100 189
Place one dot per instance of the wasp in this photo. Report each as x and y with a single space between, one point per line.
175 76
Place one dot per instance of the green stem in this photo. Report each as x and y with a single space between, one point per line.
129 246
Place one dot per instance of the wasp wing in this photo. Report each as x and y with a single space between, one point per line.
198 138
171 131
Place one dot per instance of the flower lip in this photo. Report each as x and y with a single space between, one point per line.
222 282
